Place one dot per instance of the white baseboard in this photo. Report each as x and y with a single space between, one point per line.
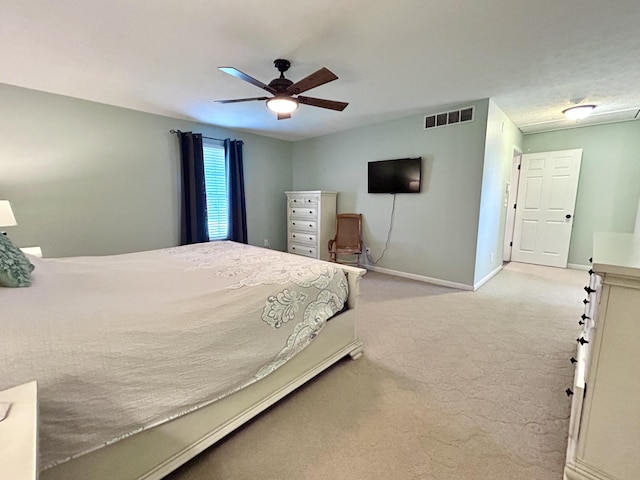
420 278
487 278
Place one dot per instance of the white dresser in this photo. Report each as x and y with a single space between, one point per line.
311 222
604 428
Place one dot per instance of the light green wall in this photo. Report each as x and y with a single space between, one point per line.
502 138
435 232
90 179
609 184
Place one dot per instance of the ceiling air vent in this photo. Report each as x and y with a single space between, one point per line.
451 117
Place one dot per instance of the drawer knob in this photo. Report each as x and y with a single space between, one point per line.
588 289
584 317
580 322
591 272
582 341
573 360
585 301
569 392
311 225
310 211
591 260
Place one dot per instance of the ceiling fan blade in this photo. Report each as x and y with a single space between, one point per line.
316 79
247 78
241 100
322 103
284 116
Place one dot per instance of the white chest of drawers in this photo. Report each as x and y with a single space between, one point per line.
604 430
311 222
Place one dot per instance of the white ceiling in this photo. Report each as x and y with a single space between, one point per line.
394 58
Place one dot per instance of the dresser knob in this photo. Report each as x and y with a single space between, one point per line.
585 301
588 289
580 322
591 260
591 272
584 317
569 392
582 341
573 360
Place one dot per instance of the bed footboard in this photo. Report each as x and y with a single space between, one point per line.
154 453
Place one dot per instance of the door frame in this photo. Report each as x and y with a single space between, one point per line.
512 195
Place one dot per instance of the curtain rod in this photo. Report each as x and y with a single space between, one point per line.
209 138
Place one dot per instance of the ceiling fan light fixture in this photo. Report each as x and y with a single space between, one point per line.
282 104
578 112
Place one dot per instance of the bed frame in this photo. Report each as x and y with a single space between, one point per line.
154 453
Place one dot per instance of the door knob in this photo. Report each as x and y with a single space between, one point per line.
568 215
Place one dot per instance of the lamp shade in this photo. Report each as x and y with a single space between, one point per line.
6 214
282 104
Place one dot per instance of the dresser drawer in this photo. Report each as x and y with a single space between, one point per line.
306 250
308 226
303 200
303 237
304 211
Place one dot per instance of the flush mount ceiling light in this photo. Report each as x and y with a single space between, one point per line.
578 112
282 104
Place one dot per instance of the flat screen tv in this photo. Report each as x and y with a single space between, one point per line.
402 175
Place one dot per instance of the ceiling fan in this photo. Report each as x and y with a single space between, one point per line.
286 94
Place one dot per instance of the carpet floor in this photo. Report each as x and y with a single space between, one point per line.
453 385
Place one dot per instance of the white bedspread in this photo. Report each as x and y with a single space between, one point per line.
121 343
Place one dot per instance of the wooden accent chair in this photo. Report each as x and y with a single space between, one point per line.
348 239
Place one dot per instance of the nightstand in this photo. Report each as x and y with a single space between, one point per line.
19 433
35 251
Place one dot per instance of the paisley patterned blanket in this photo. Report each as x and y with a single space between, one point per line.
121 343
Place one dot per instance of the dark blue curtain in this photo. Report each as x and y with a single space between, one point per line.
193 227
237 210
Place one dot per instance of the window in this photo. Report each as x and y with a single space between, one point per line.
215 175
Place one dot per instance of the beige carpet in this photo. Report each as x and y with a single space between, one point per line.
453 385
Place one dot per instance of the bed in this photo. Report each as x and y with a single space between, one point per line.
144 360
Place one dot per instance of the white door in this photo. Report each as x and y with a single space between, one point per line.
544 209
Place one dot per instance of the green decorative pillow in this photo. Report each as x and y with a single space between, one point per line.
15 268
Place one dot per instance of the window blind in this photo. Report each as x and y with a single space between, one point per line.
215 174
